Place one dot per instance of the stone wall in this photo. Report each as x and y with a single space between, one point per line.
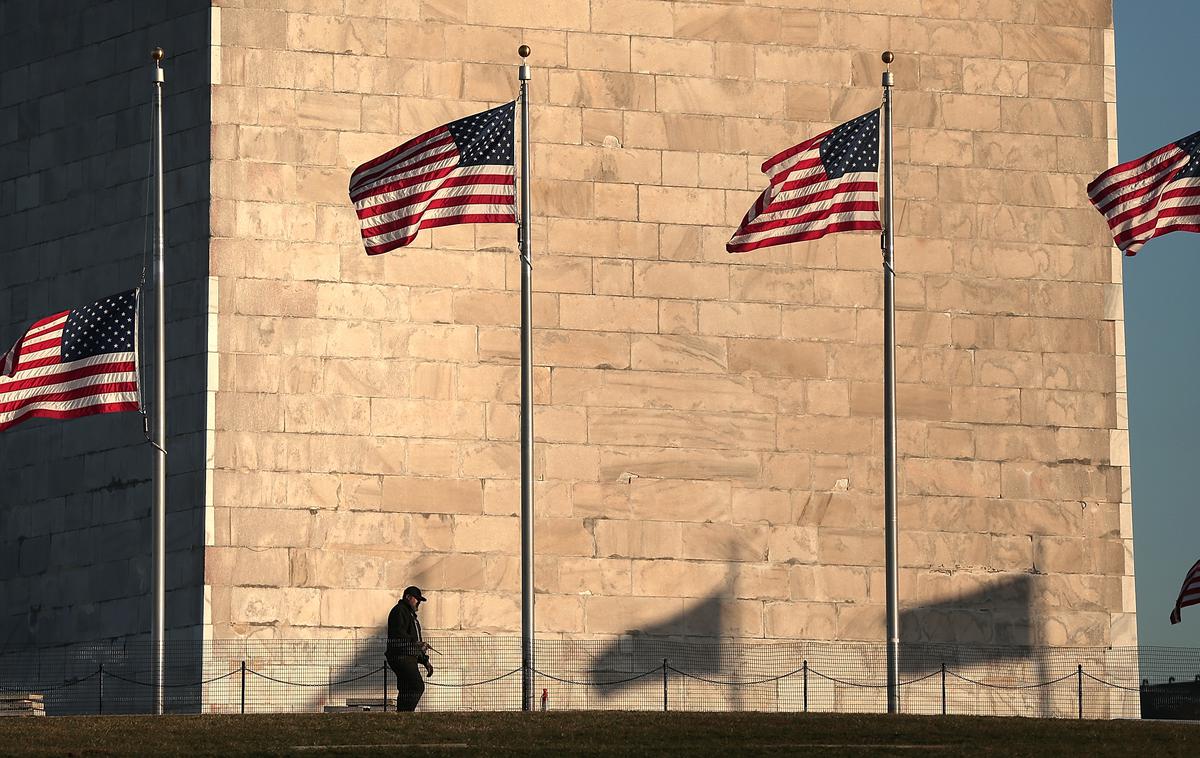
709 426
75 496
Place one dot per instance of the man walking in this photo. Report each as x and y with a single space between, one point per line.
406 649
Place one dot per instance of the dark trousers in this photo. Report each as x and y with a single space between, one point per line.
409 684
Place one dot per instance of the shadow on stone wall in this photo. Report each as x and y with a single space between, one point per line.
973 632
687 641
996 617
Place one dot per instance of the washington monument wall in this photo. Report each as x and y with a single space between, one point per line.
709 426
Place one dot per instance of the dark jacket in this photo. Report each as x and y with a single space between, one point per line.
404 633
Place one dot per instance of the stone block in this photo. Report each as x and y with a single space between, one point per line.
604 52
680 205
726 542
683 353
432 495
571 462
425 418
617 201
1045 481
665 428
850 547
638 539
602 89
269 527
794 359
560 614
327 110
626 463
826 434
1048 43
1046 116
797 64
792 544
763 582
357 36
624 615
326 413
256 605
1052 80
1065 408
827 398
614 314
677 317
940 74
689 579
594 576
913 401
597 162
818 323
771 506
673 131
669 56
632 17
946 36
734 60
801 621
570 14
1065 555
994 405
253 28
740 319
948 477
1079 372
771 285
680 500
356 608
989 76
730 97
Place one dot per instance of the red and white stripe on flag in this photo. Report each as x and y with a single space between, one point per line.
75 363
459 173
1151 196
1189 594
826 184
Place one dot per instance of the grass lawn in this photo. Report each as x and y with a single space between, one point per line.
591 733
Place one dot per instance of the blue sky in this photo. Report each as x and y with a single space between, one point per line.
1156 70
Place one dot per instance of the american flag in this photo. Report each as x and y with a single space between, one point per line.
74 363
1189 594
1152 195
459 173
827 184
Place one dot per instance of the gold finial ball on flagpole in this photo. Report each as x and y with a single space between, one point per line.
157 54
888 57
524 51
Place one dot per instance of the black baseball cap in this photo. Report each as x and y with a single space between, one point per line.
415 592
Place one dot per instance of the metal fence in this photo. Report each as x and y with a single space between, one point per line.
630 673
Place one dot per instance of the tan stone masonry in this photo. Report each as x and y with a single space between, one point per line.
708 425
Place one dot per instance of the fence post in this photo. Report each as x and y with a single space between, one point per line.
100 690
1079 687
664 684
243 687
943 688
385 674
804 667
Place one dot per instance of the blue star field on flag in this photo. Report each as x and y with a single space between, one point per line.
74 363
485 138
460 173
105 326
827 184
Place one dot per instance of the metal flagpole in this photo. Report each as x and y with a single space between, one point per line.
158 628
889 401
526 402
